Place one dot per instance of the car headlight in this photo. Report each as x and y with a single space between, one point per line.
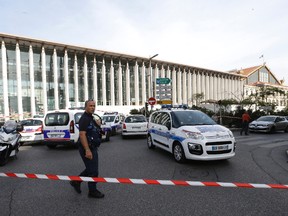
230 134
193 135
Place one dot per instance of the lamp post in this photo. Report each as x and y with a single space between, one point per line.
151 76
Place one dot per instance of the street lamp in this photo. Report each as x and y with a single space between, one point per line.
151 75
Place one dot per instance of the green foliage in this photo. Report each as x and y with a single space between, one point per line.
135 111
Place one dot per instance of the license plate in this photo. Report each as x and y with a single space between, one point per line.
220 148
136 127
55 136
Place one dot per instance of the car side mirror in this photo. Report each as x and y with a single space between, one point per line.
19 127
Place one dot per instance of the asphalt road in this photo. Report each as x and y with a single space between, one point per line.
260 158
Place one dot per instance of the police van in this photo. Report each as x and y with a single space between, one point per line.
190 134
114 120
60 127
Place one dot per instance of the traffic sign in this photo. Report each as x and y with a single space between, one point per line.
162 80
164 102
152 101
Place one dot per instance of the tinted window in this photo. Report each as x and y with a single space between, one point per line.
54 119
31 122
266 118
182 118
133 119
108 118
77 117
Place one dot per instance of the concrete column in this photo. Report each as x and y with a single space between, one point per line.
5 81
207 87
168 72
76 83
44 80
194 86
143 83
184 87
85 72
55 72
156 75
95 86
211 87
203 85
103 75
128 98
189 85
136 83
219 85
215 88
174 87
112 84
19 83
66 80
120 85
179 86
32 82
163 72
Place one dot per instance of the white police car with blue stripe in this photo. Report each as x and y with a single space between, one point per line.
190 134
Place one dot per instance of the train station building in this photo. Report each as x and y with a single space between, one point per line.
37 76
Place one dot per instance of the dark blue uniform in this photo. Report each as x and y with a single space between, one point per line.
88 124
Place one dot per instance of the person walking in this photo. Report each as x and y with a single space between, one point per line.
89 141
245 123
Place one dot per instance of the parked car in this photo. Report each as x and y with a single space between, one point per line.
114 120
190 134
269 124
134 125
32 131
61 127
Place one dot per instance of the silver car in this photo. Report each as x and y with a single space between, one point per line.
269 124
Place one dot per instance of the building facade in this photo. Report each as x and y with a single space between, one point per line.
37 76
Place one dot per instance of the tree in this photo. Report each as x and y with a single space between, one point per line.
198 97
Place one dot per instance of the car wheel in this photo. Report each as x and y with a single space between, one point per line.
113 131
178 153
150 142
123 137
108 134
286 129
272 130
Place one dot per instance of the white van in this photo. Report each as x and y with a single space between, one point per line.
60 127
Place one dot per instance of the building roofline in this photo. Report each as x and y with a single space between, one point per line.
83 49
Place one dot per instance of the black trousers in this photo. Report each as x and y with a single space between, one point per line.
245 127
91 166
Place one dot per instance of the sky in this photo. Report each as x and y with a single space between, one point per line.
220 35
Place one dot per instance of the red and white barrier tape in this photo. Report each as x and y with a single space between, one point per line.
143 181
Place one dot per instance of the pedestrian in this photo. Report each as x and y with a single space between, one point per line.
89 142
245 123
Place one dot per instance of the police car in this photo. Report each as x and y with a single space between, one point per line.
61 127
190 134
114 120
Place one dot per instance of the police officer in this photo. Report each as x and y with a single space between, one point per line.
89 141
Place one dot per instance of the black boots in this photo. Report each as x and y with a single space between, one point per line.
76 185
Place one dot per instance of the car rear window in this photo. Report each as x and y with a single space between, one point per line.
133 119
57 119
31 122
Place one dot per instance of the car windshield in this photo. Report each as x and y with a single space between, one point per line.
267 118
31 122
54 119
182 118
108 118
134 119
